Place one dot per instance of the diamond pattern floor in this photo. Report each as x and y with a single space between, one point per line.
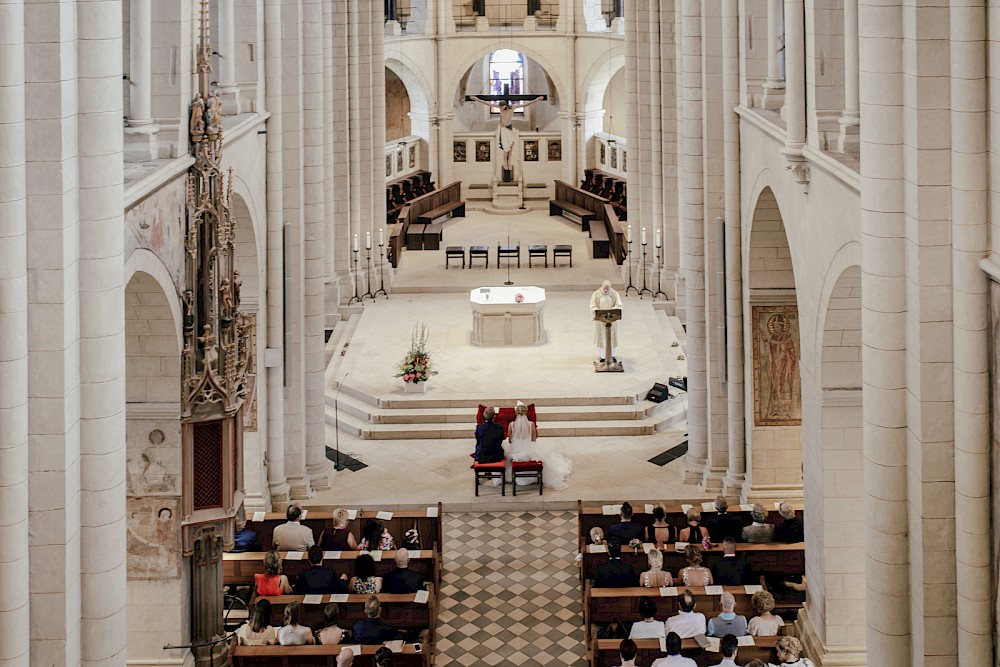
510 593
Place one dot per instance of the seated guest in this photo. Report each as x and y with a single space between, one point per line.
257 631
373 630
764 624
338 538
789 650
756 663
723 524
628 650
489 440
402 580
376 538
625 530
596 535
383 657
655 577
319 579
331 633
730 570
727 647
291 633
292 535
688 622
271 581
695 574
727 623
694 533
244 539
364 580
791 529
674 657
345 658
760 530
648 626
660 532
615 573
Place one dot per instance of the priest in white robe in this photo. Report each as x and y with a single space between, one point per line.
604 298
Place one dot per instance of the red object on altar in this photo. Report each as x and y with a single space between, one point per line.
506 415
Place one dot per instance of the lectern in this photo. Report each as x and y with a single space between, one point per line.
608 316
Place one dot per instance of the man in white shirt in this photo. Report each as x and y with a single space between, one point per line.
674 657
688 622
293 536
728 649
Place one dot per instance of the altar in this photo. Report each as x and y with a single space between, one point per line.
507 316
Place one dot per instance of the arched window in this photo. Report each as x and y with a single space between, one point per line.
506 68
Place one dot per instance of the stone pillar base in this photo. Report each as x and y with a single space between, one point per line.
280 497
768 493
482 24
849 139
711 481
140 143
732 486
774 95
256 503
393 29
823 655
321 475
232 102
692 470
618 25
299 488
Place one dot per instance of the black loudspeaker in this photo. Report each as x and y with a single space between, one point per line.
658 393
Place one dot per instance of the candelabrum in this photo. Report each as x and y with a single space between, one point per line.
381 275
659 273
644 290
368 273
357 279
628 258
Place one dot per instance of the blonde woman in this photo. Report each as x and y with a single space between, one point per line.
655 577
339 538
764 624
695 574
789 650
271 581
693 533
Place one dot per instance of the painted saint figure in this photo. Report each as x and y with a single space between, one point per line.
781 366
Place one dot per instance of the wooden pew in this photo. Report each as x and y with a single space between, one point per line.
599 240
616 233
420 206
585 205
400 611
604 653
238 569
396 238
291 656
603 605
773 559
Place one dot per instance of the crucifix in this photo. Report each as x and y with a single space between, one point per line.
507 136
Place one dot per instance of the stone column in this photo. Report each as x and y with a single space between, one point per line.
446 137
883 320
318 468
275 276
102 335
732 483
850 118
795 78
331 288
228 89
970 312
667 67
570 140
140 143
693 231
636 36
14 570
774 86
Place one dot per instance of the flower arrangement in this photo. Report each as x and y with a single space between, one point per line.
635 543
416 365
518 298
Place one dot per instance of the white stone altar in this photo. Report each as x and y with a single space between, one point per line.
500 319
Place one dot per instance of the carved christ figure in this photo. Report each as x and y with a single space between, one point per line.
781 365
506 134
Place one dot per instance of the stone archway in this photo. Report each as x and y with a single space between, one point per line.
157 574
774 441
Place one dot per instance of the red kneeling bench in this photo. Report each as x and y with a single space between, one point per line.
526 469
491 471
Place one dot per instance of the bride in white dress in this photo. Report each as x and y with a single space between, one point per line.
522 436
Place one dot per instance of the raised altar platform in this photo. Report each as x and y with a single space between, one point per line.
507 316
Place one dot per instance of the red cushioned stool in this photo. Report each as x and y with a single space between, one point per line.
526 469
491 471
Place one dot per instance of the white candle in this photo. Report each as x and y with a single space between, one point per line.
381 236
355 243
642 238
368 240
628 234
657 237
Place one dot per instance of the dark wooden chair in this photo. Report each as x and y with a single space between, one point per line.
538 251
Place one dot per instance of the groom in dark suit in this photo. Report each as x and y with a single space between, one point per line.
489 439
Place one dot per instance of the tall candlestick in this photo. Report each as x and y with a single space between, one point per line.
628 234
657 238
368 240
355 243
381 236
642 236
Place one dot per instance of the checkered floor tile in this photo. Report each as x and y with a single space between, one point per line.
510 593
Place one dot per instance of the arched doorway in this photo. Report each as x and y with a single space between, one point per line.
774 444
397 108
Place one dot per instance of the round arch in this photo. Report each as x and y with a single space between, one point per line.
459 72
248 252
147 262
594 87
417 86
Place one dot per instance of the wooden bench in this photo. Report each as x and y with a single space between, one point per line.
558 207
239 569
395 249
433 235
604 652
292 656
538 251
456 208
509 251
454 251
562 251
599 240
398 610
